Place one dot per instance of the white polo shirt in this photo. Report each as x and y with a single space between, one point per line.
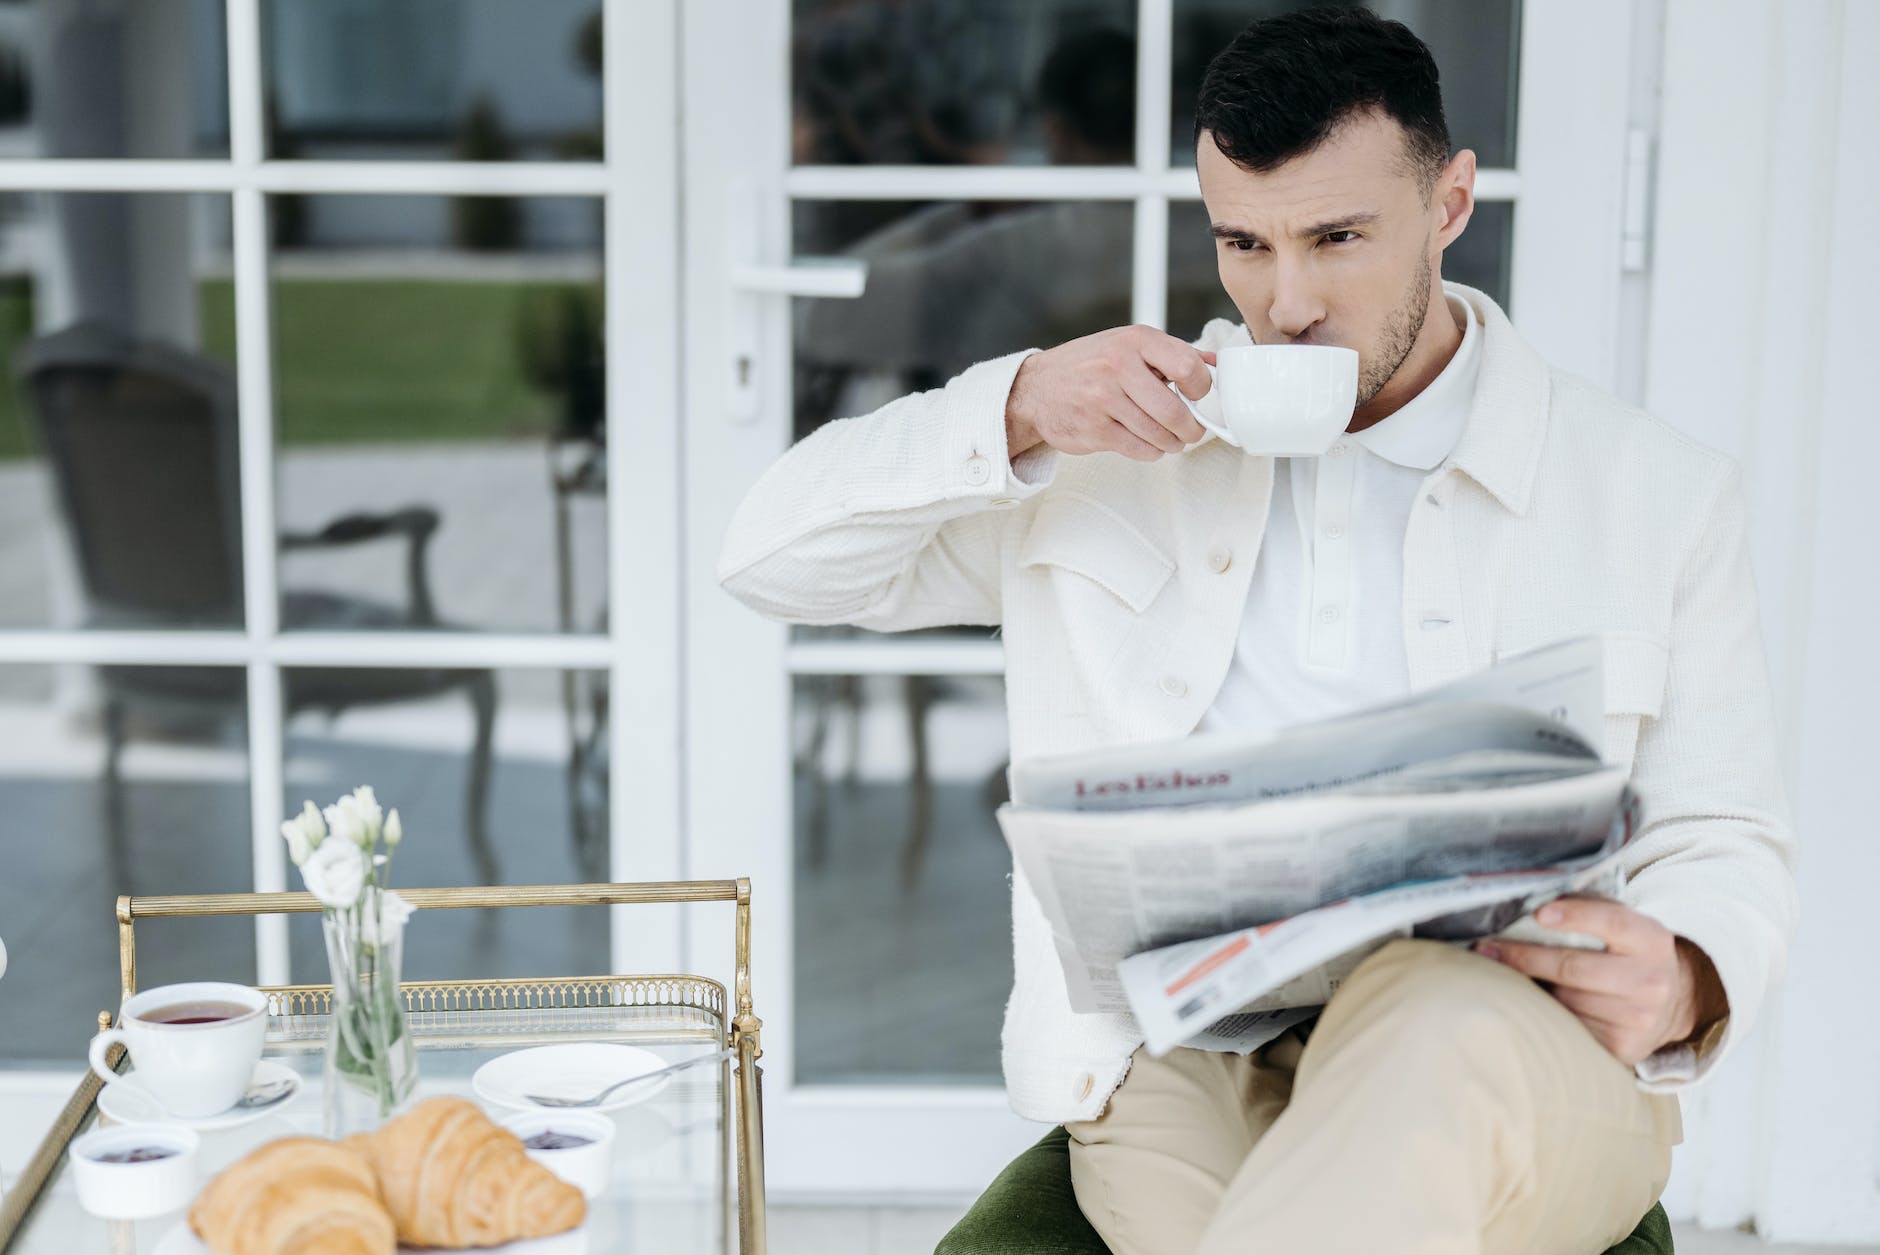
1323 629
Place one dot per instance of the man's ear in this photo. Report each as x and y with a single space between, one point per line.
1453 197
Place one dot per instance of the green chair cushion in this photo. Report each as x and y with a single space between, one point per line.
1029 1209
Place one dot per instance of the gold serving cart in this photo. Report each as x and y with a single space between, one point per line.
689 1170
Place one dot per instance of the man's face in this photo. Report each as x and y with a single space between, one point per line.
1340 245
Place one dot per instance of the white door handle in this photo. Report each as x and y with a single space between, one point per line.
806 276
753 282
826 277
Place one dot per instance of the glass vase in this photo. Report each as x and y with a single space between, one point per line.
371 1061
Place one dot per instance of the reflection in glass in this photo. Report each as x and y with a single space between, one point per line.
423 80
1479 257
1476 44
500 777
142 79
903 945
951 284
454 399
153 799
963 82
119 501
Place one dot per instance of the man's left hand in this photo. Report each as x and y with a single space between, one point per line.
1648 987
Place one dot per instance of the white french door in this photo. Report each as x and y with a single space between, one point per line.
880 908
273 194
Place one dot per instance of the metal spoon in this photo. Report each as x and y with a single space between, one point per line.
550 1100
265 1094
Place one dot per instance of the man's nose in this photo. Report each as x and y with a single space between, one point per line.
1295 308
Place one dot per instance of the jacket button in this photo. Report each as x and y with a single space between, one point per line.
1220 558
1085 1084
1174 686
978 470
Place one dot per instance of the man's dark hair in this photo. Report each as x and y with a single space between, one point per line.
1287 82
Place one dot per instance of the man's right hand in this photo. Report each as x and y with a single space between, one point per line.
1108 392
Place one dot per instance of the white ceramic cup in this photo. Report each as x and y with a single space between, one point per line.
588 1167
190 1070
1280 400
135 1191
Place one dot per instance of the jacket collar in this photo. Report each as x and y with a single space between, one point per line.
1501 444
1500 447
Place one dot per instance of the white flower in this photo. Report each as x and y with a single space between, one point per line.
394 830
346 822
304 832
298 847
370 815
390 922
335 873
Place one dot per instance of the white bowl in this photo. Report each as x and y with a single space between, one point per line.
135 1191
588 1167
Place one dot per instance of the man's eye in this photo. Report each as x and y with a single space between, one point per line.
1243 246
1340 237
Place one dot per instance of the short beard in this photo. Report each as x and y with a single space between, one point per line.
1398 338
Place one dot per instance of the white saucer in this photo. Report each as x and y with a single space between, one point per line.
123 1102
572 1071
182 1241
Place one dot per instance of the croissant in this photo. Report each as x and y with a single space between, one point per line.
295 1196
451 1178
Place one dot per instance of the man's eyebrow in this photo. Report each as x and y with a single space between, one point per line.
1344 222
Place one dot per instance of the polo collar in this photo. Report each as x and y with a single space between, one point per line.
1426 428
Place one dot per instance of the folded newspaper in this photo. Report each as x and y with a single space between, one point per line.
1220 887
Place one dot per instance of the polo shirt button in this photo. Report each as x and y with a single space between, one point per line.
1329 614
978 470
1220 558
1174 686
1085 1084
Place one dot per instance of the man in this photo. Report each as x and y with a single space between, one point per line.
1518 1098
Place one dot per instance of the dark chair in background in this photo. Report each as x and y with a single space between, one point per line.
143 444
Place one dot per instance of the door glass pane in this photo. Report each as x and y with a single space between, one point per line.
119 502
499 777
1479 257
142 79
115 780
438 367
1476 44
950 283
426 80
963 82
903 932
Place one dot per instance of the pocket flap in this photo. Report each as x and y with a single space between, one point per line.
1081 534
1636 666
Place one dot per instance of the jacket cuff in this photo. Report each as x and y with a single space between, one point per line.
1716 930
977 459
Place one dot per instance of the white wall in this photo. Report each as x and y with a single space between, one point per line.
1762 332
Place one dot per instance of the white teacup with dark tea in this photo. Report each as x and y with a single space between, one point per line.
194 1046
1280 400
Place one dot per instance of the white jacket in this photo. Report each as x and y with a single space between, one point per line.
1560 512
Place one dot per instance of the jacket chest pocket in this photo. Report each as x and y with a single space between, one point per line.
1082 536
1635 664
1090 577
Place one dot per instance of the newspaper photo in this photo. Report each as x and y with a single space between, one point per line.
1219 888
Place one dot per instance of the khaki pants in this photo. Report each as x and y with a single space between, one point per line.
1444 1103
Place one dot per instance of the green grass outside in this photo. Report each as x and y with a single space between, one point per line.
394 360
